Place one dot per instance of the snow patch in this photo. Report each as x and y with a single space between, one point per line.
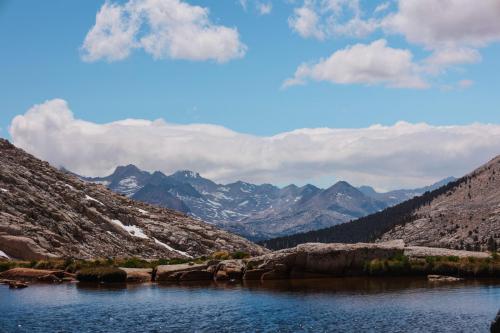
142 211
213 203
70 187
102 182
4 190
131 229
172 249
220 195
243 203
89 198
4 255
128 185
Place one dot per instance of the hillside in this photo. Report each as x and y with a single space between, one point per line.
464 214
45 212
256 212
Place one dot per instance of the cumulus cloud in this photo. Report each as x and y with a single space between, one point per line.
452 31
370 64
441 59
305 22
328 18
446 23
401 155
165 29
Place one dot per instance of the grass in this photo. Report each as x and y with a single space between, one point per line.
450 265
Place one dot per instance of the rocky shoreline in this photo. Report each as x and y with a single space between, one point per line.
311 260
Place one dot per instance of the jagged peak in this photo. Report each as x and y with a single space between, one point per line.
186 174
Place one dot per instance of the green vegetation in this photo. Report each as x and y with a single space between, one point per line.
72 265
450 265
101 274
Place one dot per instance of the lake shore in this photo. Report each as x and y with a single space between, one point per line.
312 260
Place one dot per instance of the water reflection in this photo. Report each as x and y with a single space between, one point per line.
354 285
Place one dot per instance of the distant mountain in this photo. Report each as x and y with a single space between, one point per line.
47 213
462 214
392 198
254 211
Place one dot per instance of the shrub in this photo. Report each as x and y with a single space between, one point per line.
375 267
240 255
135 263
101 274
6 265
221 255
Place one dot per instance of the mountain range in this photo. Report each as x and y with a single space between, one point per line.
256 212
463 214
45 213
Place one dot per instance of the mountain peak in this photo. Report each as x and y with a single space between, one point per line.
341 186
126 170
186 174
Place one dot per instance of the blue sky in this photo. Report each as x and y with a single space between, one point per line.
42 59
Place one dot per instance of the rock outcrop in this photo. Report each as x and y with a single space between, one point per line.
33 275
317 259
46 213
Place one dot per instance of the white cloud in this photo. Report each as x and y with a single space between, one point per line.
370 64
329 18
164 29
305 22
446 23
401 155
264 8
443 58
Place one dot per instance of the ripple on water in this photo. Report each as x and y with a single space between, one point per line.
333 305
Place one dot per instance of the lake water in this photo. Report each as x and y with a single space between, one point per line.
328 305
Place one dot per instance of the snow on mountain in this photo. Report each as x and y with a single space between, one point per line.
254 211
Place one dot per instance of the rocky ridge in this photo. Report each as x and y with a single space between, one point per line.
254 211
466 216
48 213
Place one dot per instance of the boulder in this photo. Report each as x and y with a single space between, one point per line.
423 252
23 248
334 259
138 275
221 276
164 272
198 275
30 274
229 270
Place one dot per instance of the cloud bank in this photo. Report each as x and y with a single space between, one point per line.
401 155
165 29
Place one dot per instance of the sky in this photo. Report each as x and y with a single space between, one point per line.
396 93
